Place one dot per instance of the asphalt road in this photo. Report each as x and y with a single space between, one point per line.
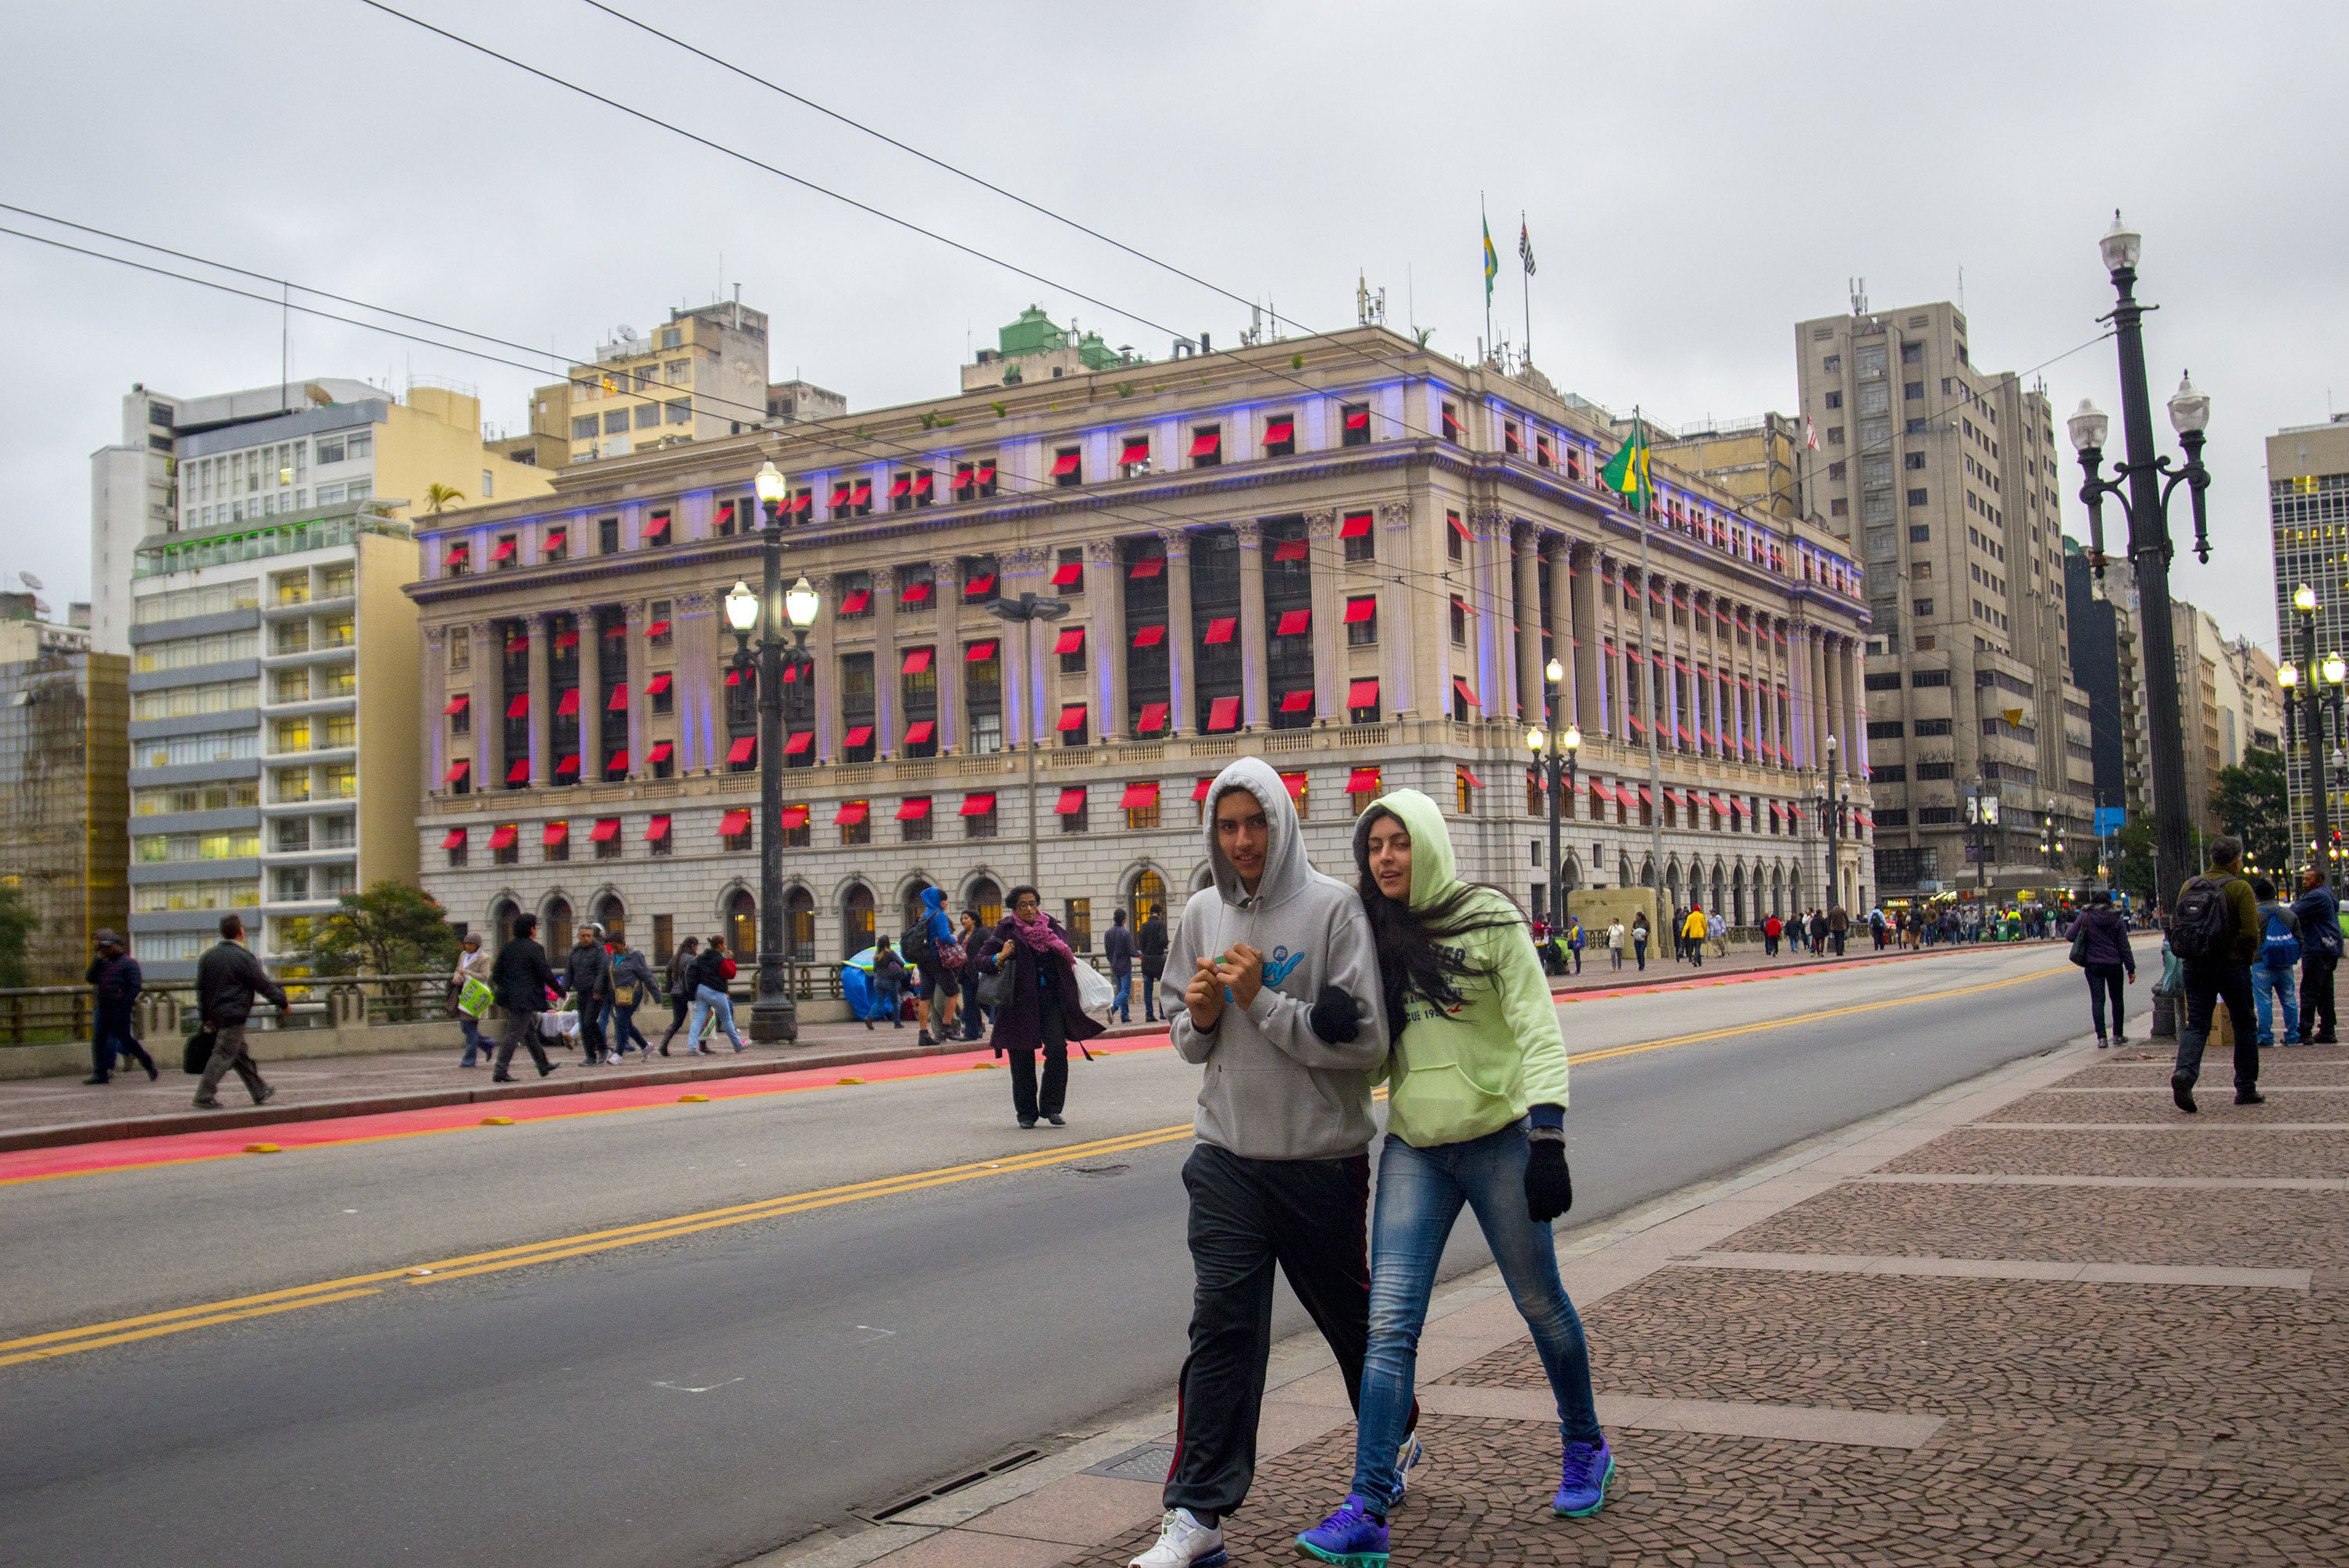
706 1394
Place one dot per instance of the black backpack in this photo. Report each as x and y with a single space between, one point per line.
2201 924
917 945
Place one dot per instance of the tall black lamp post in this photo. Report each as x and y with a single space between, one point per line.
2143 484
1831 802
773 1015
1024 612
1554 764
2302 686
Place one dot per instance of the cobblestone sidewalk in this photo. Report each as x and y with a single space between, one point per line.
2041 1319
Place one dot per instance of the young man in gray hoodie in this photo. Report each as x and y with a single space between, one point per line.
1271 984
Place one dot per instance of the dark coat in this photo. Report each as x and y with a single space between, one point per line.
709 969
587 971
521 978
2103 937
1151 941
228 977
117 982
1019 1023
631 969
2320 921
1118 946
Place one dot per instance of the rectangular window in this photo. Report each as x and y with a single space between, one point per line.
1455 538
1921 606
1354 424
1917 497
1920 533
1279 436
1885 728
1068 468
1834 400
1206 446
607 536
1930 727
1354 533
1451 422
854 820
1080 925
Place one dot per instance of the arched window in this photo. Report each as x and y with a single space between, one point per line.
558 928
856 921
502 919
1147 897
799 926
913 911
742 926
1720 887
987 899
613 916
1737 897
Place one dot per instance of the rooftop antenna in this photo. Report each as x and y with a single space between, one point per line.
1858 287
1961 290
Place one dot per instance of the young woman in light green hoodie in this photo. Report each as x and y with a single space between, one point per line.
1475 1117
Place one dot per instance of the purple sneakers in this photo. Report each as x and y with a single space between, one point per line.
1350 1538
1583 1478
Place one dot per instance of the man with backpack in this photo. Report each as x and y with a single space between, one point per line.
1150 942
2215 931
2271 974
925 947
2320 953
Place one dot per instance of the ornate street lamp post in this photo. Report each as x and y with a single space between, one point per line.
2143 484
2301 686
773 1015
1830 803
1024 612
1553 762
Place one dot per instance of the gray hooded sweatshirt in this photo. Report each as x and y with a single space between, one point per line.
1274 1089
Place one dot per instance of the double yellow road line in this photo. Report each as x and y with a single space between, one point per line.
352 1287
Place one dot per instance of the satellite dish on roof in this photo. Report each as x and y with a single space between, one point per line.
29 581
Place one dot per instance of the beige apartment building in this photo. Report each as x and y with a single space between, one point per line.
1944 479
2308 516
1352 556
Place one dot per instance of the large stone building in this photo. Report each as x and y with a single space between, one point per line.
1349 556
62 764
1944 481
2308 516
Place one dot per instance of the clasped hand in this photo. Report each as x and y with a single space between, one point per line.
1239 970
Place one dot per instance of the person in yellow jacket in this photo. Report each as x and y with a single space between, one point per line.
1693 931
1476 1113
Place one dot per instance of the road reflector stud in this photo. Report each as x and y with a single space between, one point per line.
693 1099
497 1121
851 1080
419 1274
263 1148
982 1067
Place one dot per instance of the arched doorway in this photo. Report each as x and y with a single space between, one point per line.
502 915
612 914
557 934
985 901
855 920
913 901
1146 897
1720 887
1737 897
742 925
799 926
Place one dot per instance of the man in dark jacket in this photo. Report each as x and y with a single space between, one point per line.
115 975
228 977
1119 947
2224 975
2320 954
522 978
587 977
2105 953
1150 942
1838 928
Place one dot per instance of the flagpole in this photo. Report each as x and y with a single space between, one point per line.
1647 653
1526 277
1485 223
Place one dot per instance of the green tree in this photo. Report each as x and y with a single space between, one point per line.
437 495
391 928
17 923
2251 803
2133 859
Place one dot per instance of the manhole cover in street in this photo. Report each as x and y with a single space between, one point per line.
1148 1462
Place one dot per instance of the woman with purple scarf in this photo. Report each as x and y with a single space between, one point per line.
1043 1009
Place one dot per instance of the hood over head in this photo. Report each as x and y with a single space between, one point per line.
934 898
1433 869
1285 867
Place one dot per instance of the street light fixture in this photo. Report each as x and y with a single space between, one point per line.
2143 484
1554 767
773 1015
1024 612
1830 802
2309 685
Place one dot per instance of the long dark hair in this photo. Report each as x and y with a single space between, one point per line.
1417 947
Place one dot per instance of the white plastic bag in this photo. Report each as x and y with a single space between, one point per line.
1095 993
559 1026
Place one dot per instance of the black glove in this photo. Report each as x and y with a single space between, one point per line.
1337 1015
1549 1189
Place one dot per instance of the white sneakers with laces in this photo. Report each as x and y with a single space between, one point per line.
1183 1543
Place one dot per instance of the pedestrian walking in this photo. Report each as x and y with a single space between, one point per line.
1639 939
926 938
1876 928
1693 931
1819 932
971 939
1043 1011
1119 947
889 973
1773 928
229 978
628 986
2100 945
712 972
2215 930
678 980
116 979
1150 942
2320 954
1838 928
1614 943
473 967
586 977
1475 1117
522 980
2272 971
1272 987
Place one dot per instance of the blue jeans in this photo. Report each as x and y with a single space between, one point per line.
476 1047
1122 1002
2271 988
623 1029
1420 1194
709 1001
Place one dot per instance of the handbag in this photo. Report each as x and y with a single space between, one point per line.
474 996
623 996
197 1052
995 986
2080 944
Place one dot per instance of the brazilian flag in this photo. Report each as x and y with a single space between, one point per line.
1491 261
1627 474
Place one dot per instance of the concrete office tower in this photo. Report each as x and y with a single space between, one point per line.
2101 647
1944 479
1760 460
699 376
61 765
2308 510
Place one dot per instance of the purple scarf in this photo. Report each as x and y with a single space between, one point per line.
1039 937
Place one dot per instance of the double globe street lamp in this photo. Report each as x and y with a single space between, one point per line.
2143 483
773 1015
2300 684
1554 766
1831 802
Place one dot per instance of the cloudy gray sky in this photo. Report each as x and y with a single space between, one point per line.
1697 178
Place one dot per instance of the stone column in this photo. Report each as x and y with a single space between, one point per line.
1256 710
1582 576
433 748
1559 565
489 704
1831 662
823 648
1668 705
541 696
591 705
1106 593
887 740
1399 623
948 600
638 717
1531 686
1183 689
1814 693
1326 568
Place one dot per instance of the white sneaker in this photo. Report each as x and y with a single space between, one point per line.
1183 1543
1407 1458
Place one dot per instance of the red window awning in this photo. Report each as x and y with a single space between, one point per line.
519 706
619 703
922 484
505 550
454 839
606 830
566 639
657 528
840 494
1199 790
1146 566
916 592
1361 780
1293 623
743 749
1223 713
1357 611
518 773
1460 689
919 732
661 752
1067 573
657 830
987 473
1071 640
1685 738
568 703
1646 798
851 812
916 662
618 763
1357 525
1072 717
1470 774
978 586
735 821
792 818
1358 418
863 495
1291 550
566 766
1206 443
963 478
458 704
1717 803
799 743
857 601
1135 450
457 771
1599 792
1736 807
556 538
1279 430
658 684
658 629
1138 796
979 653
1149 636
1220 629
504 837
1794 812
904 487
555 833
457 552
1065 463
1298 701
1460 528
1295 784
978 805
1153 719
858 734
1071 801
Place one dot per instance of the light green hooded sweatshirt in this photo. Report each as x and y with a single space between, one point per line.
1462 1073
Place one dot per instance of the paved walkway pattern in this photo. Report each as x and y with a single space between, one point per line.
2039 1319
